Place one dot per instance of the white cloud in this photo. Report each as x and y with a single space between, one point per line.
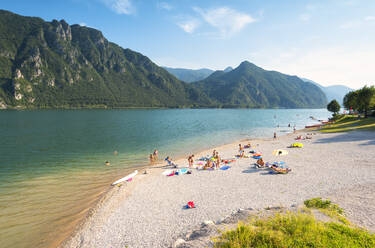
370 18
305 17
228 21
189 26
120 6
83 24
165 6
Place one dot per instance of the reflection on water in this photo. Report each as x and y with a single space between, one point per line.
52 162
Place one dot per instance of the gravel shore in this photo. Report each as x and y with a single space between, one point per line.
148 212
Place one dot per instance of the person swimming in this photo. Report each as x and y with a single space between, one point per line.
107 163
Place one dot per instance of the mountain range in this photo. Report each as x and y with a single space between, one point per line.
251 86
187 75
333 92
57 65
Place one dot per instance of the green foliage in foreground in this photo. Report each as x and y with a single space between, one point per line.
295 230
344 123
324 204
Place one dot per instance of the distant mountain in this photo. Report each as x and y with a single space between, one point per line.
53 65
251 86
332 92
228 69
189 75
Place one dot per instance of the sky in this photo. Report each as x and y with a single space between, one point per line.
327 41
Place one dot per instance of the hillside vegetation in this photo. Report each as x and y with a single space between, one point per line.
57 65
251 86
53 64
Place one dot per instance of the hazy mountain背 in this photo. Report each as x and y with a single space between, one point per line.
56 65
251 86
333 92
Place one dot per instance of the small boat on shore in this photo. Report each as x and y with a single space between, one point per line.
128 177
317 125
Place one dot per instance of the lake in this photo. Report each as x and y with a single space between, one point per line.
52 167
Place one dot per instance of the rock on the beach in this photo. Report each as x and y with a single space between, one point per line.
208 223
178 243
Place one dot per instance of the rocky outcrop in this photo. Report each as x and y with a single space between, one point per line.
3 105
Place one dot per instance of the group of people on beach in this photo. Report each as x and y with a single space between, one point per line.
213 162
154 156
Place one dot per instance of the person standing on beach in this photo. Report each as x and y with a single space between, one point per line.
191 160
156 154
217 160
274 135
151 158
241 151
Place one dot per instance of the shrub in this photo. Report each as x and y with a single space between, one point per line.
295 230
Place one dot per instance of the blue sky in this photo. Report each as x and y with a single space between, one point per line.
328 41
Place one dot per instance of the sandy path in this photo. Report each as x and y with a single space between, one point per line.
339 166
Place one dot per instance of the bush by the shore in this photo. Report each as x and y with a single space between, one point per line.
300 229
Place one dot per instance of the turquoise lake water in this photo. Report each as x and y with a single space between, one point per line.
52 161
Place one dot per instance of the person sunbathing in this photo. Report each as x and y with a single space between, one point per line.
248 145
260 163
170 162
209 164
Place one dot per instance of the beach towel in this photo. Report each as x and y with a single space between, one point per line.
225 168
299 145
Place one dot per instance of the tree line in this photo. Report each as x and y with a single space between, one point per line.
362 101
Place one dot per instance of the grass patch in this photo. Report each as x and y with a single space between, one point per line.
328 208
300 229
294 230
346 123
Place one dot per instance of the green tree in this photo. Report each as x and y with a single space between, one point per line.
351 100
334 107
365 97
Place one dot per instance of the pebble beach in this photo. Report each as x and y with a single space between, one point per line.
148 211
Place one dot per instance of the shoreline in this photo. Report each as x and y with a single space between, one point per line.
116 221
115 191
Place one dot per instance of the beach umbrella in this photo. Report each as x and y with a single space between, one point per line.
279 152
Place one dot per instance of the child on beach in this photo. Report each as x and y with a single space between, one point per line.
151 158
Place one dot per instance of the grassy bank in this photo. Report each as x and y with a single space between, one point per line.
349 123
300 229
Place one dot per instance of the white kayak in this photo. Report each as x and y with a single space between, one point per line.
130 176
